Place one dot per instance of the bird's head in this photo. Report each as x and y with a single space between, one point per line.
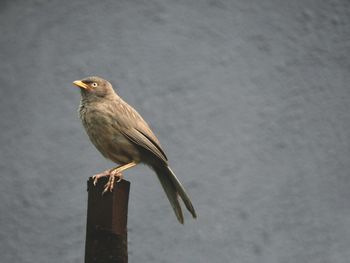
94 88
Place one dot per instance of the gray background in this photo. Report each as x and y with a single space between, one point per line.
250 100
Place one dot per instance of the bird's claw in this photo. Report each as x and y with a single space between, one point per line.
110 184
96 177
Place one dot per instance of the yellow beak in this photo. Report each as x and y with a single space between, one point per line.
81 84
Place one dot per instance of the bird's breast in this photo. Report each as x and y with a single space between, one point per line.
101 126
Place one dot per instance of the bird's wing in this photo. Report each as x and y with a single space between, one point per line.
138 131
137 137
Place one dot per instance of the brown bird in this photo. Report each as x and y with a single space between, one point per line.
119 132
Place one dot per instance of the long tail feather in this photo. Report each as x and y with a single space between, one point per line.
173 188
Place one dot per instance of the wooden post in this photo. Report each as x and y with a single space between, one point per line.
106 227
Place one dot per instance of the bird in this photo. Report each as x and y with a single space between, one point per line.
121 135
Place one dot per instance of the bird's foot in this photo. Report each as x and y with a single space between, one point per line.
110 184
96 177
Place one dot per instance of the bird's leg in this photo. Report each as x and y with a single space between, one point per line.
116 172
96 177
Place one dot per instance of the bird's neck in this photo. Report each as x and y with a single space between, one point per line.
87 99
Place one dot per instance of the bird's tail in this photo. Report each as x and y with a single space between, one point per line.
173 189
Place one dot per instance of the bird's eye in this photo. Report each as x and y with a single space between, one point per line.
94 84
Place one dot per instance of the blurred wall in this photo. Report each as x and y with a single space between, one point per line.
250 100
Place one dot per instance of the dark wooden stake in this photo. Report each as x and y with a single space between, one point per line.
106 228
